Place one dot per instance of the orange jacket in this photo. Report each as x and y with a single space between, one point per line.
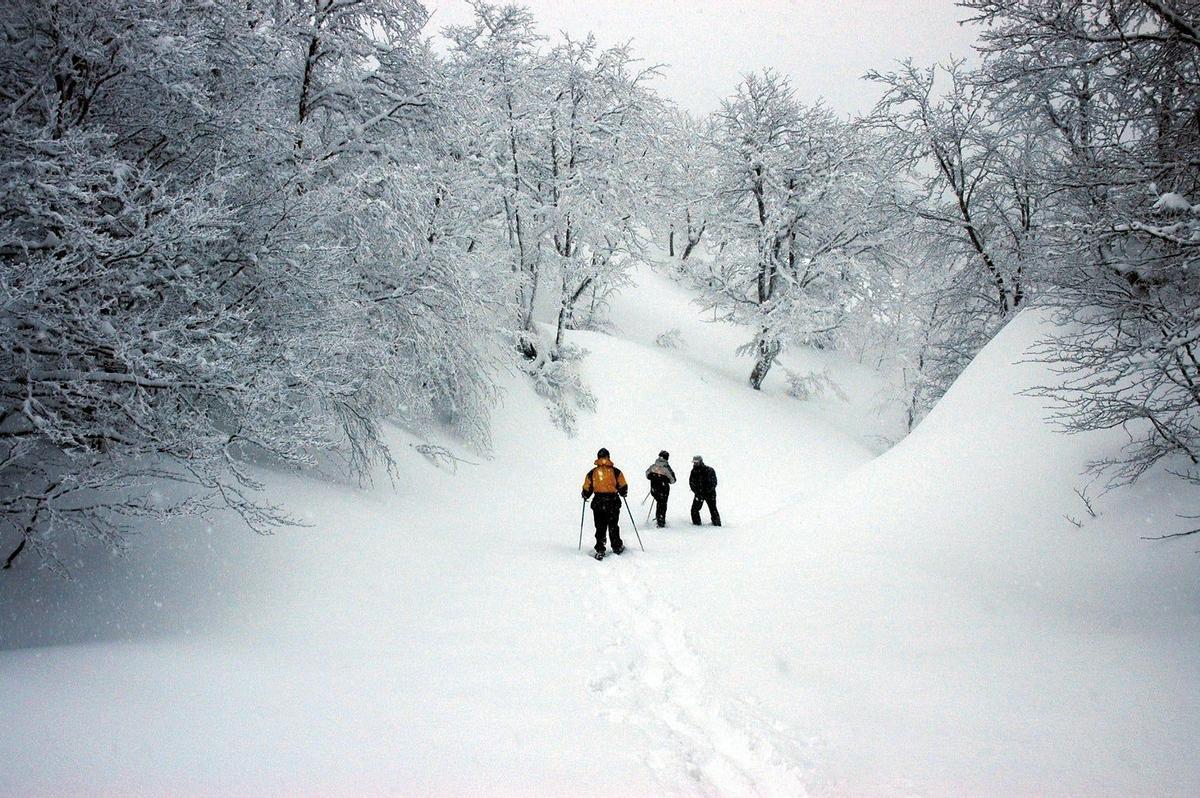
604 478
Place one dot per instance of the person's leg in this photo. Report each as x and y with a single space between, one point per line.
660 508
601 518
614 529
712 510
697 502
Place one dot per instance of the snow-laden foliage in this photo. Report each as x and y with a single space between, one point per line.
684 164
810 385
593 169
557 380
799 218
560 137
1061 171
555 144
670 339
1116 89
975 196
222 241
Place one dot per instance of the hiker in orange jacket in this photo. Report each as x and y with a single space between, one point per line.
607 484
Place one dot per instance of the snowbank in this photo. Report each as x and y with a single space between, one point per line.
942 627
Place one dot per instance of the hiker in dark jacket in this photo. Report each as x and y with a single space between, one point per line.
608 485
703 482
661 477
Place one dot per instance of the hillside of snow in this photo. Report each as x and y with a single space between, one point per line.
941 627
924 622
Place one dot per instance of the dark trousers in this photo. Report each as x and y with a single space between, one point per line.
660 505
606 509
711 501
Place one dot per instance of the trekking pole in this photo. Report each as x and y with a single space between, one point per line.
653 507
639 537
582 513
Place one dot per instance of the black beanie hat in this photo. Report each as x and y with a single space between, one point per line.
664 454
602 453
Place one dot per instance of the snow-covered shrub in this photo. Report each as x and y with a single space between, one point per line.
557 380
670 339
440 456
813 385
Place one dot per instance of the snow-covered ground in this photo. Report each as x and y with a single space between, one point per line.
926 622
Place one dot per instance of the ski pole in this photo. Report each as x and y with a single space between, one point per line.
582 513
639 537
647 496
653 506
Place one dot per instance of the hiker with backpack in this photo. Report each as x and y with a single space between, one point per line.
661 477
703 482
606 486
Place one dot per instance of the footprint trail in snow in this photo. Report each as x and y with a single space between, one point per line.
650 678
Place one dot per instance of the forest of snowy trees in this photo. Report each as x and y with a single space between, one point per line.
256 232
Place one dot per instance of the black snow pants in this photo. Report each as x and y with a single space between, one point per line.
711 501
606 508
660 497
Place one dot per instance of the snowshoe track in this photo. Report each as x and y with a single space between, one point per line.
697 741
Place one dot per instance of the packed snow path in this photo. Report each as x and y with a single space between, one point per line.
693 734
921 624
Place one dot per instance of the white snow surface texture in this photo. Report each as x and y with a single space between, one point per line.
921 623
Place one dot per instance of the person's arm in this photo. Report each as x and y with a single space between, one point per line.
587 485
672 470
622 485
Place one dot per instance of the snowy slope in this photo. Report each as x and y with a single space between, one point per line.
944 629
923 623
442 637
658 306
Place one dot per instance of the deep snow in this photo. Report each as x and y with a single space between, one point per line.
921 623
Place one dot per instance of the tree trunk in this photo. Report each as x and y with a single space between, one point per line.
15 553
768 350
693 240
564 314
528 270
567 309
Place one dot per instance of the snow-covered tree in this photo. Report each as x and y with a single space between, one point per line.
493 62
563 134
684 174
216 251
1119 85
798 218
559 139
593 168
977 195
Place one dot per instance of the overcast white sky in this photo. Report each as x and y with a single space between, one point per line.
823 46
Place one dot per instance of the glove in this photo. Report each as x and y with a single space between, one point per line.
623 491
584 494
